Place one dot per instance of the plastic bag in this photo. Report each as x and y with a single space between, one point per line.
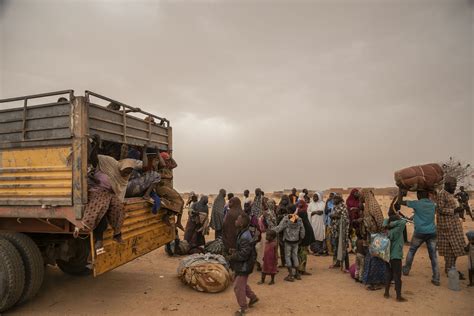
380 246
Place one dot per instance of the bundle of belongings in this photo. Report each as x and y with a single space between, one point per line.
215 247
177 248
205 272
420 178
380 246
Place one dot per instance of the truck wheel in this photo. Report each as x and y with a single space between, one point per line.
32 260
12 275
77 264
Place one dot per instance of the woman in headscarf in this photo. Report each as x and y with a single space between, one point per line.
373 217
257 207
302 212
285 207
217 215
374 268
229 230
106 194
197 225
267 220
316 213
353 205
340 233
327 221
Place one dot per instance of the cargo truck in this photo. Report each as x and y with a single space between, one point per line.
44 150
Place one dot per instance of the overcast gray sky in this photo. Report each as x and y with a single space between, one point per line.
264 93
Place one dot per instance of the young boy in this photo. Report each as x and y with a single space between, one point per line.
470 253
425 231
242 261
395 225
270 258
293 233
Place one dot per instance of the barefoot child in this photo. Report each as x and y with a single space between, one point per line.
395 225
270 258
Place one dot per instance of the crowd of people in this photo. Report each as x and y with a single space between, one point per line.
259 231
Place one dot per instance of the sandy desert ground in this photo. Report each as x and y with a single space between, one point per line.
149 286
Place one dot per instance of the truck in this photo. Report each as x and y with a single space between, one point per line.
44 150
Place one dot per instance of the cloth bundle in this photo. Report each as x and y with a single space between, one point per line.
380 246
215 247
182 249
205 272
423 177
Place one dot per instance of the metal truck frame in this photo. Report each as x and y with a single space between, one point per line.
43 183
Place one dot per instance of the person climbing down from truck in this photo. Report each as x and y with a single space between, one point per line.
169 196
106 193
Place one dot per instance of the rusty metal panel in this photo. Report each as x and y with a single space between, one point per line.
110 126
36 176
38 122
142 232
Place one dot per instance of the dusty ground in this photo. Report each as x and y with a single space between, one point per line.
149 286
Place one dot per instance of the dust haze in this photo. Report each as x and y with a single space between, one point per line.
273 94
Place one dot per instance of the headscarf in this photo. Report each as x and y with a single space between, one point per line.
112 168
229 230
284 207
270 215
318 206
201 206
373 217
217 216
257 206
328 209
340 230
202 210
352 200
302 212
302 206
317 221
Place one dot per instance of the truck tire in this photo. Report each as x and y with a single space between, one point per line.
12 275
32 261
78 263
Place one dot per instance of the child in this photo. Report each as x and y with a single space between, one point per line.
362 248
470 253
293 232
270 258
395 225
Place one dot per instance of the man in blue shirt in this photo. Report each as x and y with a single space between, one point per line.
425 231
